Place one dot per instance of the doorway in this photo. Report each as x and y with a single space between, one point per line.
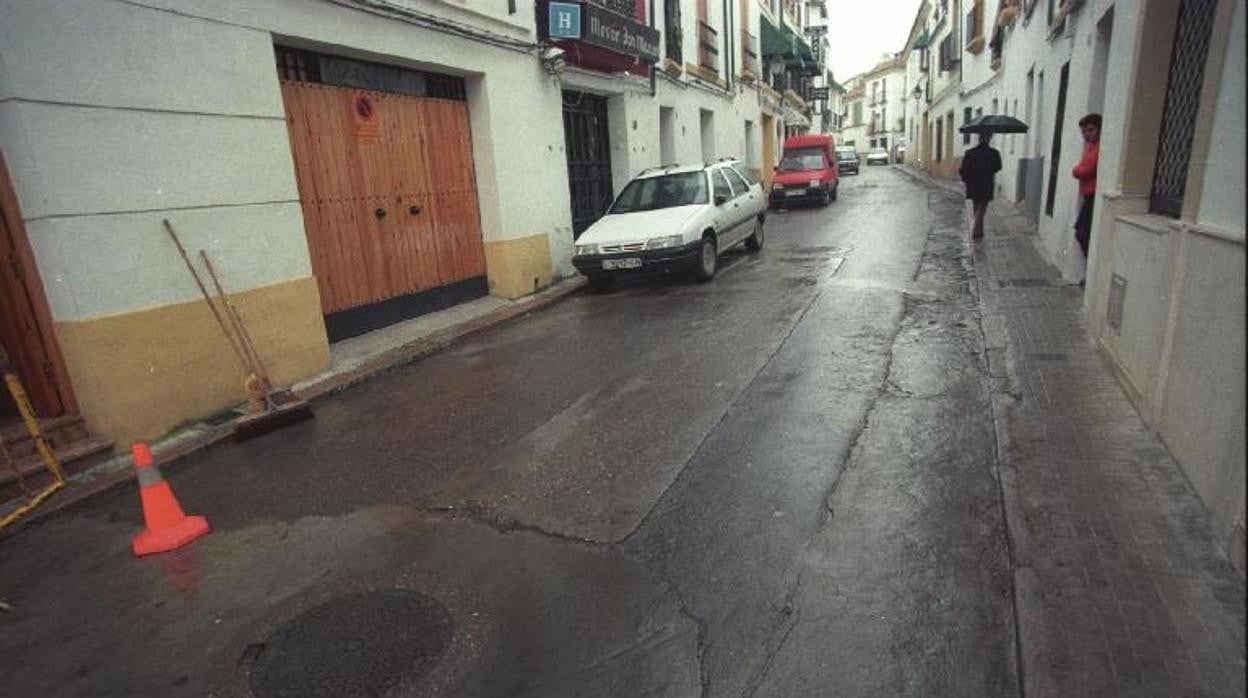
769 149
1057 139
393 229
707 119
667 136
26 334
1100 63
589 157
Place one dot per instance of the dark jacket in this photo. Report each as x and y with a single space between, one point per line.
979 168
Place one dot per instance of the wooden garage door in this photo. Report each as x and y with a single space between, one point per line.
388 192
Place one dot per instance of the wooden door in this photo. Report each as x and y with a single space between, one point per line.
388 192
25 321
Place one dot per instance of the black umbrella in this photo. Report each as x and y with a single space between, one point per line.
994 123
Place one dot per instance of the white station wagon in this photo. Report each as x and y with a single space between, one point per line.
675 218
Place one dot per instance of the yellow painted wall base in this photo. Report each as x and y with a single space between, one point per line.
945 169
519 266
138 375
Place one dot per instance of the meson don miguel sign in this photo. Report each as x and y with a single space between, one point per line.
609 24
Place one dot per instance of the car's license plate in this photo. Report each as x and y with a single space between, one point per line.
795 192
626 263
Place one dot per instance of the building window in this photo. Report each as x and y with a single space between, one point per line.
1178 121
975 27
708 46
672 39
966 119
950 54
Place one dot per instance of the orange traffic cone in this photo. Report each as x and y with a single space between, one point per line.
167 527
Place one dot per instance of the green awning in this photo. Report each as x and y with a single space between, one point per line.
783 43
776 42
923 41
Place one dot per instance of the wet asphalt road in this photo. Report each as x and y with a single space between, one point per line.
776 484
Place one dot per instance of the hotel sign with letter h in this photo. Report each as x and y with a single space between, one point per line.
565 20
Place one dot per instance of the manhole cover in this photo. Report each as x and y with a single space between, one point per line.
358 645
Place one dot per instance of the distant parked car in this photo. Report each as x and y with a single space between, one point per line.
674 219
847 160
877 156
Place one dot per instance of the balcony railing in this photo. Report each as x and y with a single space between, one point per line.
792 13
749 59
708 47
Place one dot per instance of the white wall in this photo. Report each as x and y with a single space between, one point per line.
1222 198
121 115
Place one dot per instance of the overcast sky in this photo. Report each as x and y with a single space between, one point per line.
861 31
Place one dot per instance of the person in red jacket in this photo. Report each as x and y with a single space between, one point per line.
1085 172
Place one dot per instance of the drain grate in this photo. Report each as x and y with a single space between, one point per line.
358 645
1024 283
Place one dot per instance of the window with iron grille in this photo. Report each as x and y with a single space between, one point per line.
708 46
306 66
1178 122
672 38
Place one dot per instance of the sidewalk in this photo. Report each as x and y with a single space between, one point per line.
1120 587
352 361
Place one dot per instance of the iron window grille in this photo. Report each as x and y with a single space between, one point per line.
1178 123
296 65
306 66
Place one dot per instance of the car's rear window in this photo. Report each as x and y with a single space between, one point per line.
664 191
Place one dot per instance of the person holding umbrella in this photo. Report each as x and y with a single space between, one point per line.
979 169
981 164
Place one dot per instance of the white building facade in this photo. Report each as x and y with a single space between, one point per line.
1165 270
247 125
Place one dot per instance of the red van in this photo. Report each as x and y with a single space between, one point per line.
807 172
